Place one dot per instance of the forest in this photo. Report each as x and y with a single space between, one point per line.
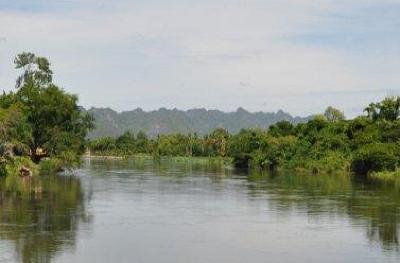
326 144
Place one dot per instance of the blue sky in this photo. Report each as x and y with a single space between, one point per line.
263 55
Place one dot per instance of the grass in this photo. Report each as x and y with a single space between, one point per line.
13 166
385 175
199 160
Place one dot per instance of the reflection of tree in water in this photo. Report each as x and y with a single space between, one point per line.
164 167
40 215
376 206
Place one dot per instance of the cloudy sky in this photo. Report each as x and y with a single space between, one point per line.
263 55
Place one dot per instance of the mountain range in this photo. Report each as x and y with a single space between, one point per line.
164 121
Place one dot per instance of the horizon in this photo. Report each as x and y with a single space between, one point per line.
298 56
193 109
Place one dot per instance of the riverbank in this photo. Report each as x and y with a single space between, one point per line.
193 159
326 144
322 167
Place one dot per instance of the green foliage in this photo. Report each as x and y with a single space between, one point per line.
35 70
51 166
40 119
282 128
375 157
333 115
216 142
386 175
326 144
173 145
13 125
244 144
13 166
55 119
53 205
388 109
213 145
172 121
103 145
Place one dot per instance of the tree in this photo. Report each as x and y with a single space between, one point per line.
54 117
388 109
281 128
333 115
104 145
141 142
126 142
376 157
13 126
35 69
217 140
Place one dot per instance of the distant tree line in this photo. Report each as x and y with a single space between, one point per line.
212 145
328 143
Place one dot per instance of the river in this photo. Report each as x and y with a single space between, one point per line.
180 211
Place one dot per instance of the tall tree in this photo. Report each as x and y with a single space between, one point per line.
57 123
332 114
388 109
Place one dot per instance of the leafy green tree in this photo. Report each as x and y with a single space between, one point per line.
217 142
14 126
104 145
34 69
244 144
388 109
56 122
142 142
282 128
126 143
376 157
333 115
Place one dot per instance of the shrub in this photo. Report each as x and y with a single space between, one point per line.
375 157
13 166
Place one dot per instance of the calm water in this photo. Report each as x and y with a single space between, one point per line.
141 211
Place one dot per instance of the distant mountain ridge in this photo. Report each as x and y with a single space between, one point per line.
164 121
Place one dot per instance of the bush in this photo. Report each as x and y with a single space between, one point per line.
50 166
65 161
12 166
375 157
331 163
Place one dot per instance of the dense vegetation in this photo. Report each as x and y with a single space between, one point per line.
165 121
39 120
327 143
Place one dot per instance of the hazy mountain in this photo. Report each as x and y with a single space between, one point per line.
201 121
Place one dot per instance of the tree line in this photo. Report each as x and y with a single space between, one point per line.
40 121
328 143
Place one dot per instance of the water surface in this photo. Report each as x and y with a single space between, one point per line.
145 211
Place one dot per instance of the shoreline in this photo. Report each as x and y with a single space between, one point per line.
108 157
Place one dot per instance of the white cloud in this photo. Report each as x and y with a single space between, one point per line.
186 53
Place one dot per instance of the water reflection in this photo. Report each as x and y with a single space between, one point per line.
195 207
40 216
162 167
372 205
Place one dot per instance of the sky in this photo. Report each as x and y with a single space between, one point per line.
263 55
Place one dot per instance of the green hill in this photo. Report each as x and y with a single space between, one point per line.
164 121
